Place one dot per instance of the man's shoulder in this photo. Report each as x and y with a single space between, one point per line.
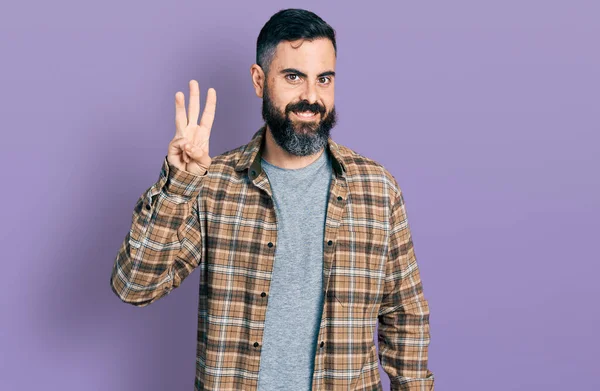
230 156
361 167
225 162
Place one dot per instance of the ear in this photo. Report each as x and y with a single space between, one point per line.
258 79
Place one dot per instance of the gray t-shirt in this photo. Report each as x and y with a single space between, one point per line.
296 293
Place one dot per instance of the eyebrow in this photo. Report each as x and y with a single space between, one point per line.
294 70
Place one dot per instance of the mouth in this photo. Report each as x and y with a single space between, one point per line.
306 115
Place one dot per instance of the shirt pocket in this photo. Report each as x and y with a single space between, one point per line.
359 267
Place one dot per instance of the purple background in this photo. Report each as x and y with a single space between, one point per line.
487 114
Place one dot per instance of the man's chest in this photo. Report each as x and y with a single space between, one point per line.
242 233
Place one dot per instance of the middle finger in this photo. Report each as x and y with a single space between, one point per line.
194 104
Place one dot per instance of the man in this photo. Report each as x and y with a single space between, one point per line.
302 244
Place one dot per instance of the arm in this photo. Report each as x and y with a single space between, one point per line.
403 330
164 244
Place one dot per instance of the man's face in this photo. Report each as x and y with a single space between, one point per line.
299 82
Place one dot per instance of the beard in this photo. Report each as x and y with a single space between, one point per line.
301 137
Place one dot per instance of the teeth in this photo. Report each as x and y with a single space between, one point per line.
305 114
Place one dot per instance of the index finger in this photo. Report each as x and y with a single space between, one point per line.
208 115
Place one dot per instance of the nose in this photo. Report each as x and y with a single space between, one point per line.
310 93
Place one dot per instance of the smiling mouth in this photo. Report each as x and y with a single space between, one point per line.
305 114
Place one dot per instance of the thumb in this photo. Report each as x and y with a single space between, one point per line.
197 152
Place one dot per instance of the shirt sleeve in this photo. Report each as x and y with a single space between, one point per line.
403 329
163 245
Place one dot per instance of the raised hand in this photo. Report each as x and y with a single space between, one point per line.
188 150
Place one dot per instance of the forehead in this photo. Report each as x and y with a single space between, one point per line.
309 56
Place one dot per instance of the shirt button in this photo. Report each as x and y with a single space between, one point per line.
270 244
330 242
339 198
322 343
263 294
148 206
255 344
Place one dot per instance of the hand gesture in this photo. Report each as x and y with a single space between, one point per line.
189 148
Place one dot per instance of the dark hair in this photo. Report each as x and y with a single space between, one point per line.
289 25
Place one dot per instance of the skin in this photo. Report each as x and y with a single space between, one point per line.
188 150
313 58
311 83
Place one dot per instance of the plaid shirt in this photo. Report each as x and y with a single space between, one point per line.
224 224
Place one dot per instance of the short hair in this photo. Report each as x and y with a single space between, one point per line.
289 25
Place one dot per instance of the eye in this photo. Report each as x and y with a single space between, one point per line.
326 78
291 75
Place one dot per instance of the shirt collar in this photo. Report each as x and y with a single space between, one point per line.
252 154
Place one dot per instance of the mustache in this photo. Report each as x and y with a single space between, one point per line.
305 106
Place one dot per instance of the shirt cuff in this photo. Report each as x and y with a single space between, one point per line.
180 182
